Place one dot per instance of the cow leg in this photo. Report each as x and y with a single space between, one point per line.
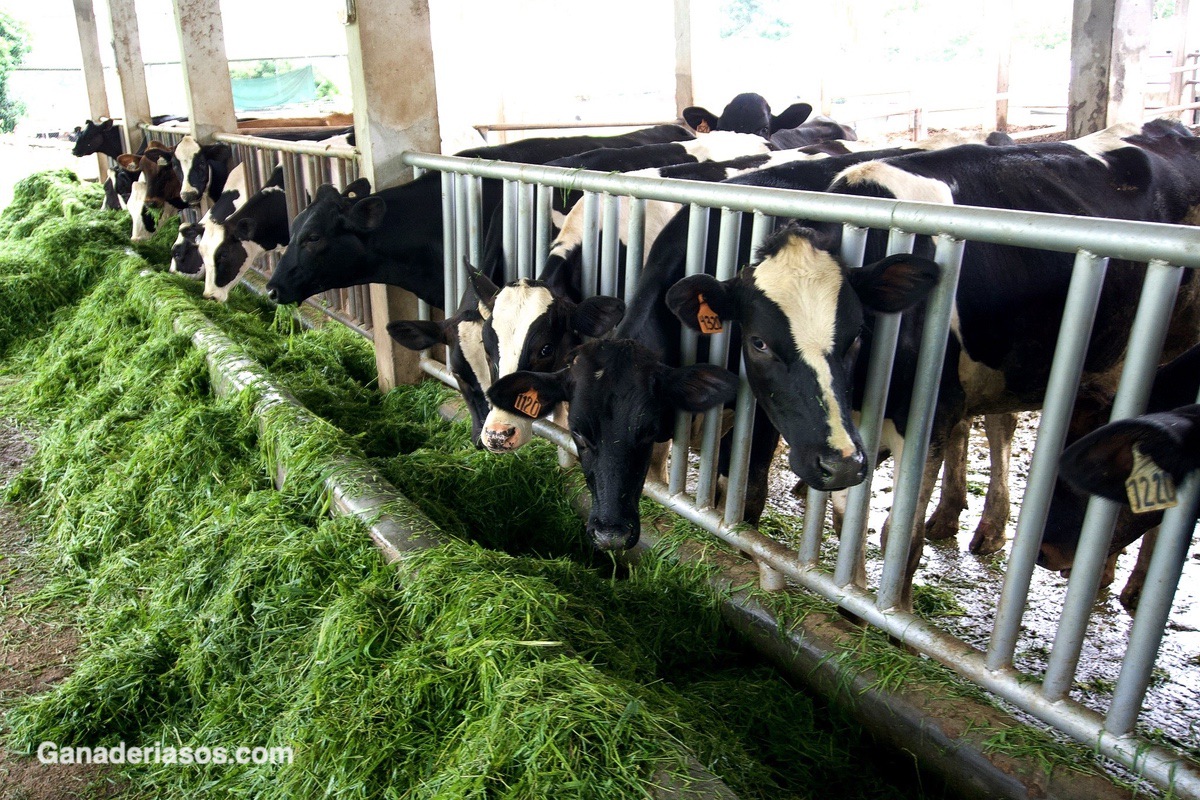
943 524
989 536
1132 593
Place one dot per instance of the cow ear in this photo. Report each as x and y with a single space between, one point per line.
895 283
703 303
78 129
276 177
791 117
155 144
218 152
699 387
1100 462
597 315
327 191
130 163
417 334
357 189
700 119
531 394
245 228
485 290
366 215
106 124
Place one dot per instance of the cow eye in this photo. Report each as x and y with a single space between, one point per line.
758 344
546 350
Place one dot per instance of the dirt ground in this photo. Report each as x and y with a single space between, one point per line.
36 651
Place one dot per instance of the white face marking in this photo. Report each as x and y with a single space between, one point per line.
1101 142
658 214
725 146
903 185
186 151
514 311
137 202
470 342
221 293
805 283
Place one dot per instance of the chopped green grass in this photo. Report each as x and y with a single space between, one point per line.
216 610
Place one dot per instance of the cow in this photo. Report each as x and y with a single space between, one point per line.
201 169
998 357
97 137
156 186
623 399
186 254
812 131
1175 384
747 113
395 236
117 188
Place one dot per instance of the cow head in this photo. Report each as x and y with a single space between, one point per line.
196 166
328 248
93 137
185 253
800 313
532 325
154 167
746 113
225 257
623 400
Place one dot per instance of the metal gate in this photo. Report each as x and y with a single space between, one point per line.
1167 249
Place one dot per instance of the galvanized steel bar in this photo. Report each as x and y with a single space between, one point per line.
282 146
524 230
475 224
1135 241
697 246
718 354
1154 607
462 239
1079 314
635 245
541 239
610 244
743 416
879 377
1145 345
509 239
920 422
589 257
449 256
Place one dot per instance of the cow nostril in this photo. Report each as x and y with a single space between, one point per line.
272 295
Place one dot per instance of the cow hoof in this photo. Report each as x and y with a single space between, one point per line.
1130 596
987 540
941 526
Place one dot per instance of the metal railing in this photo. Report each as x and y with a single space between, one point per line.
306 166
1167 249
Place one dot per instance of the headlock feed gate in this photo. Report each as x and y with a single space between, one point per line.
1168 250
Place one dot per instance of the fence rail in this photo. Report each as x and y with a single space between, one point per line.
1169 249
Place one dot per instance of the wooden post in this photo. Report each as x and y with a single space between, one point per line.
1108 41
998 20
93 69
127 50
1179 51
390 52
684 94
205 68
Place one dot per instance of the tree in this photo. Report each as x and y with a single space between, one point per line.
14 44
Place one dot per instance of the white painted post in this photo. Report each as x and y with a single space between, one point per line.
998 17
127 51
205 68
684 95
390 52
93 68
1108 42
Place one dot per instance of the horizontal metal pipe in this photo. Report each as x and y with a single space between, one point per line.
283 146
1136 241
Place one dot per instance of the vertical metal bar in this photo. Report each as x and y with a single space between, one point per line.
1154 607
743 415
610 244
1079 315
697 244
524 230
448 241
879 378
853 251
718 353
1145 345
541 239
462 239
591 215
920 422
509 242
635 245
474 222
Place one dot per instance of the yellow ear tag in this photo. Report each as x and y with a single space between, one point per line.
1148 486
529 403
707 318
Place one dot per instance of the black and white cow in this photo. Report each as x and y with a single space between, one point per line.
97 137
186 254
1009 300
812 131
233 241
395 236
117 188
155 186
201 169
747 113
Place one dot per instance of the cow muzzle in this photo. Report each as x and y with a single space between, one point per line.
501 438
828 470
189 196
614 536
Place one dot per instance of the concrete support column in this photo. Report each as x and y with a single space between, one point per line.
93 68
205 68
998 21
1108 43
684 95
390 52
127 51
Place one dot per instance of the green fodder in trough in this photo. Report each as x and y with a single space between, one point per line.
218 611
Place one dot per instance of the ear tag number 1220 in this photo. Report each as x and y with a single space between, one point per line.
1148 486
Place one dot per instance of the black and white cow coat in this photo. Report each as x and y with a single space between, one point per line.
187 253
201 169
232 242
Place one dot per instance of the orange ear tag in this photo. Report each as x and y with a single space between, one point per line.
529 403
707 318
